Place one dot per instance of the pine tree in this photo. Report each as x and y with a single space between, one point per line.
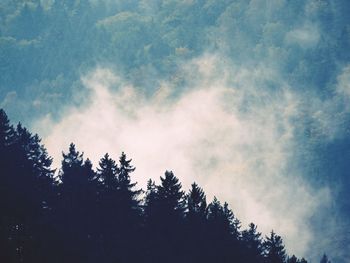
171 196
196 212
119 207
26 191
6 224
76 209
223 230
6 131
233 224
223 219
274 249
107 173
293 259
165 208
325 259
128 195
71 172
196 202
253 244
150 201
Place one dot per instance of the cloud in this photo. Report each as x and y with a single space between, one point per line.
10 97
306 37
224 132
344 82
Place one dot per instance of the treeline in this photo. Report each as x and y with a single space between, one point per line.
87 215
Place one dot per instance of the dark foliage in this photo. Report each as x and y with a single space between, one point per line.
83 215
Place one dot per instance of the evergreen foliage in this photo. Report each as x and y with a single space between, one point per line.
85 215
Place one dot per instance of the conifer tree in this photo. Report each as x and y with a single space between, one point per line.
223 231
88 216
6 131
10 250
252 242
293 259
76 209
274 249
72 164
26 190
126 189
107 173
196 202
165 212
150 201
196 212
170 196
325 259
119 207
222 218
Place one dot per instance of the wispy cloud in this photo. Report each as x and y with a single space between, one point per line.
223 132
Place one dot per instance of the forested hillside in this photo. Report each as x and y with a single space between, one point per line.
81 214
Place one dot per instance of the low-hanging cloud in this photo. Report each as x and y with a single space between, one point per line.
224 132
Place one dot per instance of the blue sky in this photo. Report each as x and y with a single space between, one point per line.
248 98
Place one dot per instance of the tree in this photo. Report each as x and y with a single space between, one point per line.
196 212
274 249
232 224
6 223
72 163
108 210
26 187
118 207
150 201
88 216
196 203
223 219
223 231
170 196
164 213
293 259
325 259
6 131
107 173
253 244
128 195
76 212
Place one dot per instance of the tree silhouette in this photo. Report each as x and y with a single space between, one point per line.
196 212
170 196
196 203
253 244
107 173
165 208
8 217
274 249
127 195
223 230
325 259
26 191
88 216
76 207
294 259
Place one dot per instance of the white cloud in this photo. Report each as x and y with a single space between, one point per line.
225 133
343 87
306 37
10 97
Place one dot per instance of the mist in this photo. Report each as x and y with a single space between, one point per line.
250 99
233 139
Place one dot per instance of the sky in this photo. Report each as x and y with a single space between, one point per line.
250 99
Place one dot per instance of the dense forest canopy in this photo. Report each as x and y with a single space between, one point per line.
261 85
87 215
